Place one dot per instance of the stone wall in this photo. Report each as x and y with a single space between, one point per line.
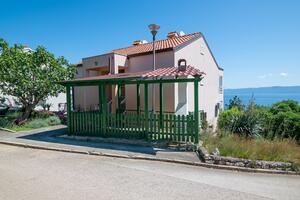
239 162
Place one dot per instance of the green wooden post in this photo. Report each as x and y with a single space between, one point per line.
100 98
104 98
138 99
146 108
119 98
161 105
196 109
104 106
69 108
100 108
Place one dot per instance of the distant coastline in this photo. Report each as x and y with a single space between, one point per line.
265 96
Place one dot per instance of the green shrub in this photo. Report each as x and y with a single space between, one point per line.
240 122
282 120
285 120
227 119
4 122
13 115
285 106
53 120
286 125
42 114
36 123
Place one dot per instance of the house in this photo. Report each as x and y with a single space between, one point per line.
137 58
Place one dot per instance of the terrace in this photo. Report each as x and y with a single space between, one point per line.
138 124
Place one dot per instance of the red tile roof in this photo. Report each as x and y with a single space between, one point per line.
161 72
113 76
173 71
159 45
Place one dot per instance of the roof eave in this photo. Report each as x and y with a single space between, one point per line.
188 42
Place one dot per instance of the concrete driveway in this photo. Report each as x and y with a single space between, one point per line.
38 174
47 138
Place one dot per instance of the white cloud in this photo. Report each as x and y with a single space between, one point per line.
262 76
283 74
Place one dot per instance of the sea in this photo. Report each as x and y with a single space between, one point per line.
265 96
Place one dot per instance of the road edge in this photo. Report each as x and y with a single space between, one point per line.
176 161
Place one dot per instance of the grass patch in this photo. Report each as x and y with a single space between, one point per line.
37 123
284 150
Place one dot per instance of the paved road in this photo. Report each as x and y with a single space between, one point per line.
38 174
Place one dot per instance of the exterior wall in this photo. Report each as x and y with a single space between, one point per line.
197 54
144 63
118 60
87 97
178 98
101 60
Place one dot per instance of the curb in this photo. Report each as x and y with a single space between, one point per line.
199 164
43 129
8 130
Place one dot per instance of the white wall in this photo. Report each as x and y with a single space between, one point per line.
119 60
198 55
61 98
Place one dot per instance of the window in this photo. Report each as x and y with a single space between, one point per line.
96 63
217 109
221 84
121 71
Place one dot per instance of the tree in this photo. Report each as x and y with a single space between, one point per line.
285 106
31 76
236 102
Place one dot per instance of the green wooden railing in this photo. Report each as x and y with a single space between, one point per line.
169 127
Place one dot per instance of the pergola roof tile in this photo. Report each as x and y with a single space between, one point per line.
161 72
173 71
113 76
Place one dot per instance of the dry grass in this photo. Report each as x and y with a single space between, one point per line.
255 149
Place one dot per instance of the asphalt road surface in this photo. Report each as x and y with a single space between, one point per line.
39 174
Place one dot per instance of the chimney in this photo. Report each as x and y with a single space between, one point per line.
182 65
172 35
137 42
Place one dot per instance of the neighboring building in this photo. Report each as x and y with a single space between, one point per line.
138 57
56 102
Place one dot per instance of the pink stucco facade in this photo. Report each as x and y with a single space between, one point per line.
178 97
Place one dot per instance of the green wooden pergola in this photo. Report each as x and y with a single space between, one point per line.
146 125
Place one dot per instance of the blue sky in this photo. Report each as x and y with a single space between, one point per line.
256 42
